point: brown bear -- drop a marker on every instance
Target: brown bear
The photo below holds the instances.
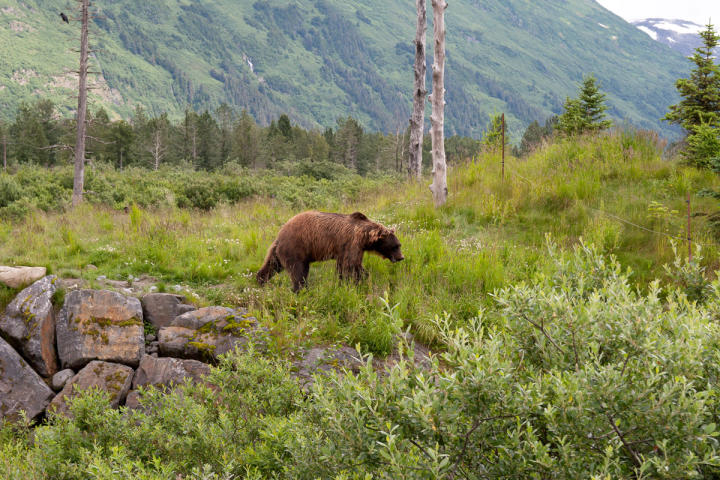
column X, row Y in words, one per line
column 316, row 236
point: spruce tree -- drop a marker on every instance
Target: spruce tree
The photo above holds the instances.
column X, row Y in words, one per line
column 571, row 121
column 592, row 105
column 585, row 113
column 493, row 134
column 701, row 92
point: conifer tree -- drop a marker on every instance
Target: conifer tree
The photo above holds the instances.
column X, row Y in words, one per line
column 246, row 140
column 592, row 105
column 585, row 113
column 494, row 133
column 701, row 92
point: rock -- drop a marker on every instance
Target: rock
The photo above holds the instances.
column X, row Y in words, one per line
column 60, row 379
column 16, row 277
column 325, row 359
column 20, row 387
column 160, row 309
column 421, row 355
column 184, row 308
column 114, row 378
column 90, row 266
column 100, row 325
column 166, row 372
column 29, row 325
column 150, row 338
column 68, row 284
column 133, row 400
column 101, row 278
column 206, row 333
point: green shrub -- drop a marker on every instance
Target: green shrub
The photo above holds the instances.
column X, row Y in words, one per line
column 9, row 190
column 580, row 377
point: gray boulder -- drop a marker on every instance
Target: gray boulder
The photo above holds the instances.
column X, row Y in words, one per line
column 20, row 387
column 60, row 379
column 322, row 360
column 100, row 325
column 164, row 373
column 29, row 325
column 206, row 333
column 113, row 378
column 160, row 309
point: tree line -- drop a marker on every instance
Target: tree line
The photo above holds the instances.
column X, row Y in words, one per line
column 208, row 140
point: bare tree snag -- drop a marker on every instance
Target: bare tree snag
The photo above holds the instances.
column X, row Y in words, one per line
column 417, row 120
column 79, row 178
column 157, row 147
column 437, row 118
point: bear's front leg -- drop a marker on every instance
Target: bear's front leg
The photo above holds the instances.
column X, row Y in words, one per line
column 298, row 274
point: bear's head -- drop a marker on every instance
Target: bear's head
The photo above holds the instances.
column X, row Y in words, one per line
column 384, row 242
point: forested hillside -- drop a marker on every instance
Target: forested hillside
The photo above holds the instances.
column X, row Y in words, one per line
column 319, row 60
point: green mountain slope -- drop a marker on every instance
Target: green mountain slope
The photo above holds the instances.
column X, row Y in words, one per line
column 318, row 59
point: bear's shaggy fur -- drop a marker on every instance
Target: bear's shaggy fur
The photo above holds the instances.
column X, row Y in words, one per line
column 316, row 236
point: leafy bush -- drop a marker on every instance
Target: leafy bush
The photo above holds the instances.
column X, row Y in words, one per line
column 579, row 376
column 9, row 191
column 50, row 189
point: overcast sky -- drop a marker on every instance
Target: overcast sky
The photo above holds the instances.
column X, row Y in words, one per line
column 699, row 11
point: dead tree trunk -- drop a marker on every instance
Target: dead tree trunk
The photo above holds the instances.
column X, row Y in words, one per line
column 4, row 152
column 437, row 119
column 157, row 147
column 79, row 179
column 417, row 120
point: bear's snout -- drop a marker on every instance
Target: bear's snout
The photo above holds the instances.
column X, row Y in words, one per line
column 398, row 258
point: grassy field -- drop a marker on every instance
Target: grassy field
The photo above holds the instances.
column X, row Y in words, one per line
column 491, row 233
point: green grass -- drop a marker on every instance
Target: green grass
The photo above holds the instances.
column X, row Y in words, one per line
column 491, row 233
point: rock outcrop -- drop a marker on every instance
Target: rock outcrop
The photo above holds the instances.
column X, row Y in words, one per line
column 100, row 334
column 29, row 325
column 100, row 325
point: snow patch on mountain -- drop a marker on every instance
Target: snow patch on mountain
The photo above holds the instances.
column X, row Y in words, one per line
column 653, row 34
column 680, row 35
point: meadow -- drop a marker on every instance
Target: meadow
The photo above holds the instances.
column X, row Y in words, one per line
column 537, row 290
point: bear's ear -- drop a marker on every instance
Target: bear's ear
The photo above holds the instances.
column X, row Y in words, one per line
column 358, row 216
column 392, row 230
column 376, row 233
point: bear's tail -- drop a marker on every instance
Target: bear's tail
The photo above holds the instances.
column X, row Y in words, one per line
column 270, row 267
